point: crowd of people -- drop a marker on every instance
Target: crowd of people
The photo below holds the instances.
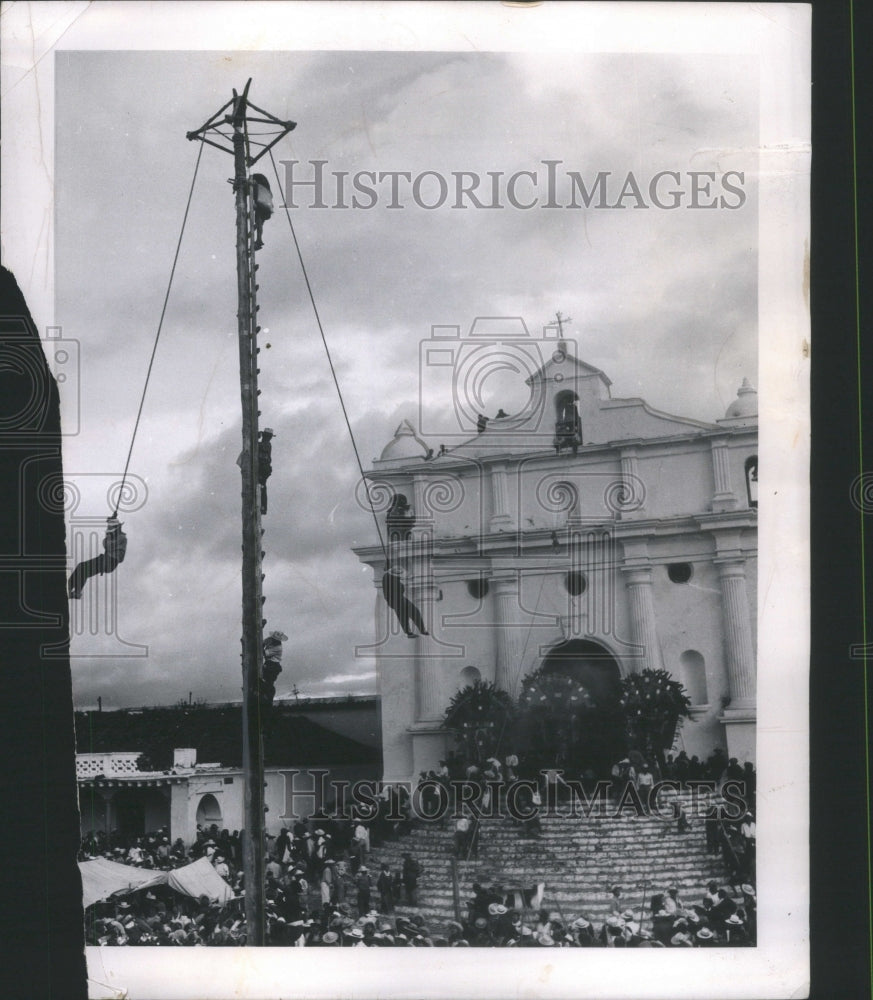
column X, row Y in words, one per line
column 320, row 889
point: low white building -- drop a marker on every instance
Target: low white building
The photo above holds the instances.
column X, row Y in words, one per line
column 591, row 534
column 115, row 795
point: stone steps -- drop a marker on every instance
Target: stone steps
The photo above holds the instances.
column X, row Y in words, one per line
column 577, row 858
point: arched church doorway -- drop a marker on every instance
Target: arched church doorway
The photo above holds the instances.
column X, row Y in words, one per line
column 595, row 738
column 208, row 811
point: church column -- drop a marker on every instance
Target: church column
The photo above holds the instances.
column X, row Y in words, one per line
column 644, row 632
column 429, row 706
column 510, row 637
column 723, row 498
column 423, row 592
column 738, row 645
column 500, row 511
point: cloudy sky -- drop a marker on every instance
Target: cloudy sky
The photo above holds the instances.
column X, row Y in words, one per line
column 664, row 301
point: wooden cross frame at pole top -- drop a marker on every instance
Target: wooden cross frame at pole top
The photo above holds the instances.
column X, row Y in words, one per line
column 230, row 133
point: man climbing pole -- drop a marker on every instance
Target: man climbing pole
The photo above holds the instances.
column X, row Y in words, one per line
column 272, row 665
column 395, row 596
column 114, row 549
column 265, row 463
column 263, row 199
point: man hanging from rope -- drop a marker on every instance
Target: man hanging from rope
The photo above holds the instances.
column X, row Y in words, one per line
column 114, row 549
column 395, row 596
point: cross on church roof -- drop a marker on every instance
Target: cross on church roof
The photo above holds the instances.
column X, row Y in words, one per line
column 561, row 320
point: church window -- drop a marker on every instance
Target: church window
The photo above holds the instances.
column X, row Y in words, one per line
column 693, row 674
column 679, row 572
column 752, row 480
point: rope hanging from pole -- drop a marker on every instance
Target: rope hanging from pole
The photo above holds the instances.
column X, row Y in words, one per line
column 158, row 334
column 329, row 358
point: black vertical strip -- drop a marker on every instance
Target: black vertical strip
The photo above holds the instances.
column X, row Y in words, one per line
column 839, row 791
column 41, row 918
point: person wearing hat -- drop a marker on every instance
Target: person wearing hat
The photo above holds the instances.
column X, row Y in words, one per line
column 265, row 463
column 272, row 665
column 411, row 871
column 363, row 885
column 326, row 884
column 704, row 938
column 616, row 904
column 385, row 885
column 735, row 930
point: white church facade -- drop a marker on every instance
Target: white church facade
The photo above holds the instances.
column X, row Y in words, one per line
column 586, row 532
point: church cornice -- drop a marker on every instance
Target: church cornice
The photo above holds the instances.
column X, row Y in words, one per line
column 544, row 453
column 479, row 550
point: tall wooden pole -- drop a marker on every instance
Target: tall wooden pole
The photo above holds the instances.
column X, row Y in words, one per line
column 214, row 133
column 252, row 610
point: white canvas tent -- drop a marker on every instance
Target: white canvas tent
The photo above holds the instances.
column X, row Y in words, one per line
column 102, row 878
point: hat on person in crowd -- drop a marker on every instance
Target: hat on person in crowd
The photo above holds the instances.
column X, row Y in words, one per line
column 580, row 922
column 480, row 923
column 330, row 861
column 705, row 934
column 496, row 909
column 747, row 890
column 329, row 937
column 454, row 925
column 460, row 943
column 386, row 928
column 681, row 940
column 734, row 920
column 363, row 868
column 627, row 914
column 613, row 921
column 124, row 906
column 278, row 636
column 319, row 832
